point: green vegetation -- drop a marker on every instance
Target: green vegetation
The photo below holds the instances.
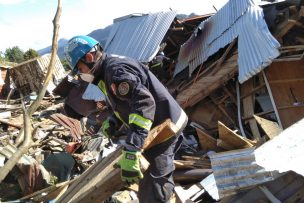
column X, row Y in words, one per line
column 30, row 54
column 65, row 64
column 16, row 55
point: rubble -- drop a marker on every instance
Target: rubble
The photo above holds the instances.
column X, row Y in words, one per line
column 239, row 80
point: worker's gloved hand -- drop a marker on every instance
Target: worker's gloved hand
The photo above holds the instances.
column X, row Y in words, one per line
column 108, row 127
column 130, row 166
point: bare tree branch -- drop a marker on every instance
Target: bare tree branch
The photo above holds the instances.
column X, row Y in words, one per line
column 49, row 75
column 27, row 141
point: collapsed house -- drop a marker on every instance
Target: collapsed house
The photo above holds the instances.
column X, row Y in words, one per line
column 28, row 77
column 238, row 75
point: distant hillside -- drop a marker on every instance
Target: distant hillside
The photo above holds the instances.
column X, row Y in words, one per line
column 100, row 35
column 61, row 43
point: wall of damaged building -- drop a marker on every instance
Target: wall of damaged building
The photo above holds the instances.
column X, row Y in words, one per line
column 255, row 100
column 218, row 106
column 29, row 76
column 286, row 80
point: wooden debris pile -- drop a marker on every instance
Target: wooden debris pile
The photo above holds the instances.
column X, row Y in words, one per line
column 229, row 123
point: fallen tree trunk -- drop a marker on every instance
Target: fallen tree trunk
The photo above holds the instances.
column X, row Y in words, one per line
column 102, row 179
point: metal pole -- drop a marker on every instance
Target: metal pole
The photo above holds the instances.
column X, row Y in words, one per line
column 272, row 100
column 239, row 108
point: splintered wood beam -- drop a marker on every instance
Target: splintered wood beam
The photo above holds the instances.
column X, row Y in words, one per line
column 233, row 139
column 271, row 128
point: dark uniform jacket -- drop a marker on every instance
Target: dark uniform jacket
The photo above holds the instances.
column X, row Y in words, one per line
column 137, row 97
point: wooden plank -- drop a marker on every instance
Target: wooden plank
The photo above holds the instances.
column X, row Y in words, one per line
column 102, row 179
column 52, row 192
column 207, row 142
column 233, row 139
column 286, row 26
column 271, row 128
column 224, row 145
column 248, row 107
column 162, row 132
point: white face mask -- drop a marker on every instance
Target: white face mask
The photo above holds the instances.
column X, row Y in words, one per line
column 88, row 77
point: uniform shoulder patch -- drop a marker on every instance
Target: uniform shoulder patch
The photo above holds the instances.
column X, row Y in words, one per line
column 123, row 88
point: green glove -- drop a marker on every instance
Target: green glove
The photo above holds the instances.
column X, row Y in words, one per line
column 108, row 128
column 130, row 166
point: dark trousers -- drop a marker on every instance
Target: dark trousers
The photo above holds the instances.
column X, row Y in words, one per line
column 157, row 184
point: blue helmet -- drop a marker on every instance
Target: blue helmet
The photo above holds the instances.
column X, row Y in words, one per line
column 77, row 47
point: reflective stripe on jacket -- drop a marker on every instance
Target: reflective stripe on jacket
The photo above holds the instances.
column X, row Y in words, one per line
column 138, row 98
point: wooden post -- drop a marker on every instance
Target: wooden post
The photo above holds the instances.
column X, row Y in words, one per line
column 248, row 107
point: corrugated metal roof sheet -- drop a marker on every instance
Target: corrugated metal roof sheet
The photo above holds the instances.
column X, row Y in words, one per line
column 236, row 170
column 209, row 185
column 285, row 151
column 139, row 36
column 58, row 72
column 238, row 18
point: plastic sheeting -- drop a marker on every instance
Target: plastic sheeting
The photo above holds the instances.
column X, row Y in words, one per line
column 93, row 92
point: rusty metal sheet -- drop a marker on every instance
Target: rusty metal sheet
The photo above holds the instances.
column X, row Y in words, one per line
column 72, row 124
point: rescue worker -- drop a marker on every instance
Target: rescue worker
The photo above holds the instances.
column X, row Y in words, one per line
column 158, row 64
column 140, row 102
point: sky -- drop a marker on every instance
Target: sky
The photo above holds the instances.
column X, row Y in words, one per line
column 28, row 23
